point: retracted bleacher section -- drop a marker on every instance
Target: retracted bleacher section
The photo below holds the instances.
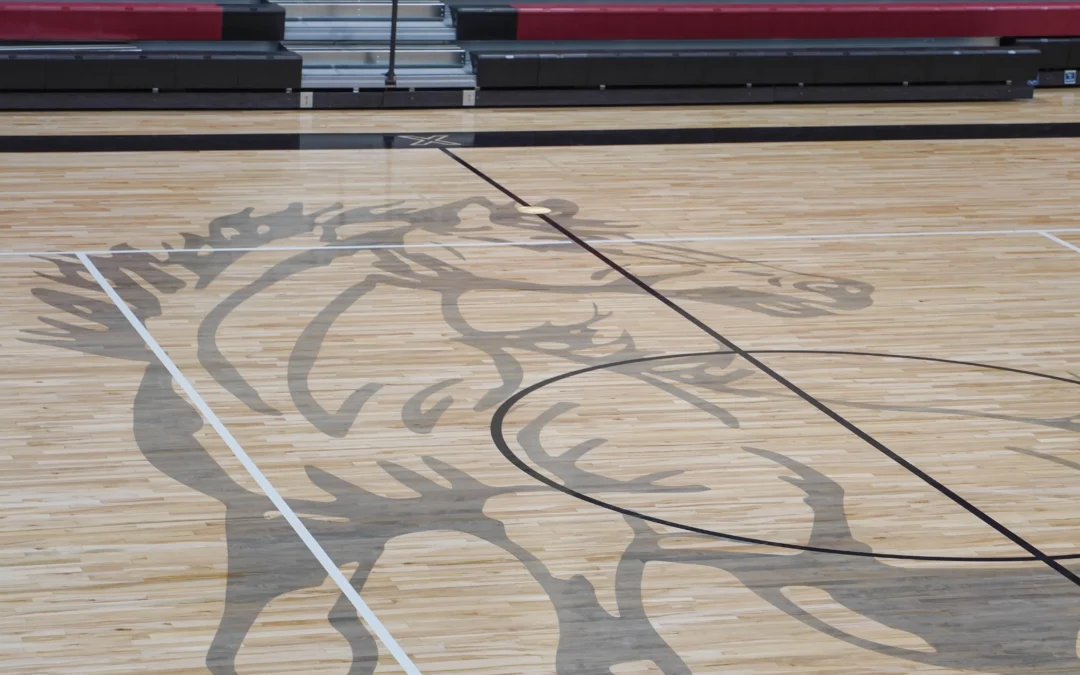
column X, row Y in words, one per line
column 150, row 66
column 728, row 68
column 255, row 53
column 1059, row 58
column 166, row 48
column 638, row 52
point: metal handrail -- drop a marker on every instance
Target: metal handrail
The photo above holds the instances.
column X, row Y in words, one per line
column 391, row 76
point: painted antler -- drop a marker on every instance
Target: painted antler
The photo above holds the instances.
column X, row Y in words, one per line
column 565, row 466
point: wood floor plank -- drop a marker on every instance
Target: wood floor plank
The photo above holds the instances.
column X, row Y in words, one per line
column 109, row 564
column 1073, row 239
column 1047, row 106
column 387, row 393
column 989, row 300
column 754, row 190
column 150, row 200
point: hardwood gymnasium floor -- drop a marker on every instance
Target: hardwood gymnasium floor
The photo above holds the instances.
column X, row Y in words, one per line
column 755, row 408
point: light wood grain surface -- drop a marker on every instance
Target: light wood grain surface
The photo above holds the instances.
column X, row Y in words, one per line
column 1047, row 106
column 357, row 320
column 752, row 190
column 109, row 565
column 758, row 190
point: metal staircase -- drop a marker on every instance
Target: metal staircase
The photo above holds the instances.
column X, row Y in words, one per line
column 345, row 44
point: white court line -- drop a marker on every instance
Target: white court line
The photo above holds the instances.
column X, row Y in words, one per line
column 1059, row 240
column 282, row 506
column 554, row 242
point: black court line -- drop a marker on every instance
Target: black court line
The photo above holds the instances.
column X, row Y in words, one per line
column 789, row 385
column 532, row 139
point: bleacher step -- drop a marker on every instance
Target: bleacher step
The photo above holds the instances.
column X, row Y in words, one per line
column 350, row 30
column 377, row 56
column 345, row 9
column 374, row 78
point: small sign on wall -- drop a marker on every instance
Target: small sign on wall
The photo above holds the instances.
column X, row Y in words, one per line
column 1070, row 77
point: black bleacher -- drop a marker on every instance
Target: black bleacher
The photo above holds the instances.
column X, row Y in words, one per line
column 149, row 66
column 715, row 68
column 1055, row 53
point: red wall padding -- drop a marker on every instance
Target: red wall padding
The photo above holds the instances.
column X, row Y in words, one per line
column 688, row 22
column 109, row 21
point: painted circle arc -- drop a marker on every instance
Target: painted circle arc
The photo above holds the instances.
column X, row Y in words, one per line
column 498, row 436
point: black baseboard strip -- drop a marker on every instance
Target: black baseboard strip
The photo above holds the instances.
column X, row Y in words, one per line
column 456, row 98
column 532, row 139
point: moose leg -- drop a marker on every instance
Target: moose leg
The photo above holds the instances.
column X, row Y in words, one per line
column 257, row 575
column 241, row 610
column 343, row 617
